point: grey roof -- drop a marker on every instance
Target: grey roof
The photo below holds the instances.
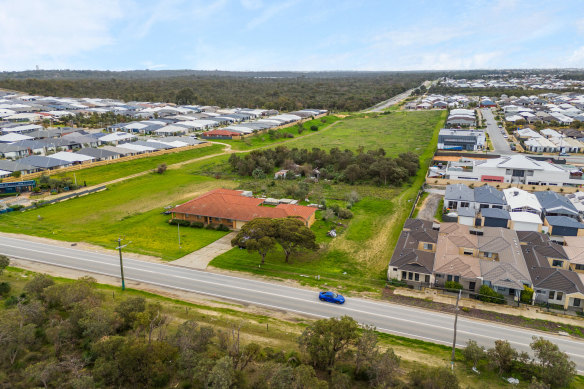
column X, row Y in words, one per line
column 495, row 213
column 488, row 195
column 15, row 166
column 557, row 279
column 97, row 153
column 44, row 162
column 503, row 274
column 554, row 202
column 563, row 221
column 154, row 145
column 459, row 192
column 406, row 255
column 466, row 211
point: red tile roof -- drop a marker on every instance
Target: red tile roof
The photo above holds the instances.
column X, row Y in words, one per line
column 220, row 133
column 230, row 204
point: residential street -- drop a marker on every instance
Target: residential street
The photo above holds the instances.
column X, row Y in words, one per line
column 500, row 144
column 396, row 319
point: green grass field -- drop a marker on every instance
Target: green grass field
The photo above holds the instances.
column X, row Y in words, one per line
column 100, row 174
column 396, row 132
column 131, row 209
column 262, row 140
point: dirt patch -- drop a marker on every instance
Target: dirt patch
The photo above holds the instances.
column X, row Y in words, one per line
column 429, row 207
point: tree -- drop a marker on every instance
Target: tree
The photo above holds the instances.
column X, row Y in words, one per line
column 366, row 350
column 257, row 235
column 552, row 366
column 433, row 378
column 185, row 96
column 384, row 369
column 37, row 285
column 44, row 372
column 150, row 319
column 473, row 353
column 326, row 338
column 99, row 322
column 526, row 295
column 490, row 296
column 293, row 235
column 4, row 263
column 222, row 375
column 128, row 309
column 502, row 356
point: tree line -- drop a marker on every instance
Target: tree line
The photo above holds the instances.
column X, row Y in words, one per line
column 343, row 92
column 336, row 165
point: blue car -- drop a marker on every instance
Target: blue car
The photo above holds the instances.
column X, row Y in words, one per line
column 331, row 297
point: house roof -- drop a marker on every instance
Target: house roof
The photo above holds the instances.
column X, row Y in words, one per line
column 495, row 213
column 557, row 279
column 525, row 217
column 97, row 153
column 43, row 162
column 466, row 212
column 554, row 202
column 231, row 204
column 519, row 198
column 489, row 195
column 563, row 221
column 459, row 192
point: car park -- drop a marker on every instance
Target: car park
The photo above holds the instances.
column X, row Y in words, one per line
column 331, row 297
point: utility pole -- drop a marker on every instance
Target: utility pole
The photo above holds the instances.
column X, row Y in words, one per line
column 455, row 323
column 120, row 247
column 178, row 229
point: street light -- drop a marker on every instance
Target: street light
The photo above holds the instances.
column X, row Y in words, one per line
column 455, row 323
column 119, row 248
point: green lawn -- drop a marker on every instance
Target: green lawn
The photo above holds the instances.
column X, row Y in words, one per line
column 99, row 174
column 396, row 132
column 131, row 209
column 260, row 140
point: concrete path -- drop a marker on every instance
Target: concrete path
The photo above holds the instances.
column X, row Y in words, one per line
column 200, row 259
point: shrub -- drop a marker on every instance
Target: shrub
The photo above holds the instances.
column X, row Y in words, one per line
column 222, row 227
column 313, row 128
column 328, row 214
column 433, row 377
column 488, row 295
column 161, row 168
column 16, row 207
column 4, row 288
column 343, row 213
column 182, row 223
column 453, row 285
column 209, row 227
column 197, row 224
column 526, row 295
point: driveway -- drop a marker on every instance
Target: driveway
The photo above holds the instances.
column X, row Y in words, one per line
column 200, row 259
column 429, row 207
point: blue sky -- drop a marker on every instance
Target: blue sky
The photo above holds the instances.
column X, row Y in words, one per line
column 290, row 34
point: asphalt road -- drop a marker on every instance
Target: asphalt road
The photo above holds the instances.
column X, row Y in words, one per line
column 500, row 144
column 396, row 319
column 395, row 99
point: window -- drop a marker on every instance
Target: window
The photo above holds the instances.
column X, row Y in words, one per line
column 464, row 204
column 438, row 275
column 467, row 252
column 410, row 276
column 472, row 285
column 559, row 296
column 579, row 267
column 552, row 295
column 484, row 206
column 416, row 277
column 427, row 279
column 456, row 278
column 395, row 269
column 487, row 254
column 452, row 204
column 498, row 206
column 404, row 275
column 428, row 246
column 557, row 263
column 449, row 278
column 576, row 302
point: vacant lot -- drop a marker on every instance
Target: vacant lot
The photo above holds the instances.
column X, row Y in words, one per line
column 278, row 136
column 357, row 259
column 105, row 173
column 131, row 209
column 396, row 132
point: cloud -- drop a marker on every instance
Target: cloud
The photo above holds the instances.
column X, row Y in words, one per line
column 577, row 57
column 251, row 4
column 268, row 13
column 47, row 34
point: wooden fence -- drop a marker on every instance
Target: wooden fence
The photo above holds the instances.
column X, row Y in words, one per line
column 31, row 176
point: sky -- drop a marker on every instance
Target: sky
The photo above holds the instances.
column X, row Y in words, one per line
column 303, row 35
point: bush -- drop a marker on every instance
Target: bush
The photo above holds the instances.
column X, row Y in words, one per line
column 161, row 168
column 343, row 213
column 17, row 207
column 329, row 214
column 313, row 128
column 197, row 224
column 209, row 227
column 526, row 295
column 4, row 288
column 222, row 227
column 453, row 285
column 488, row 295
column 433, row 377
column 182, row 223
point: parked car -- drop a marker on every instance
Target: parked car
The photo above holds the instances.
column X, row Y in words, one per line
column 331, row 297
column 564, row 155
column 505, row 136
